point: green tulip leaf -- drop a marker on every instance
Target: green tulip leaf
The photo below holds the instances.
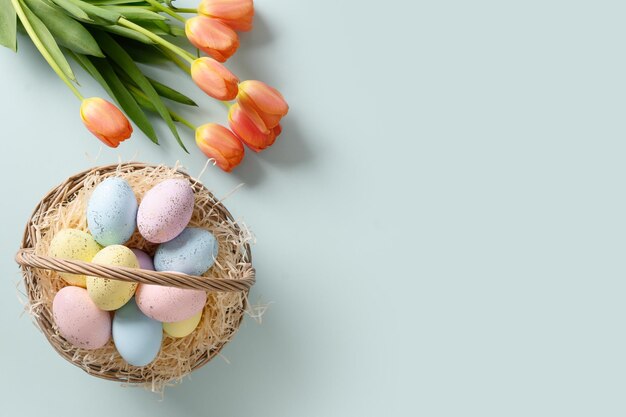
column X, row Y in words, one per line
column 135, row 13
column 89, row 12
column 72, row 9
column 169, row 93
column 48, row 42
column 67, row 31
column 118, row 55
column 88, row 66
column 141, row 98
column 8, row 25
column 98, row 12
column 114, row 2
column 126, row 33
column 146, row 54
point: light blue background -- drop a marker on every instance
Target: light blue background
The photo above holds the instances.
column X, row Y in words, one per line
column 440, row 227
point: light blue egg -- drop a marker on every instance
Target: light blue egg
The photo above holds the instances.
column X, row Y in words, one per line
column 192, row 252
column 137, row 337
column 112, row 212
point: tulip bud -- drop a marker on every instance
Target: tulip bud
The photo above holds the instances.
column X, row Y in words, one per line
column 266, row 101
column 105, row 121
column 249, row 127
column 219, row 143
column 212, row 37
column 237, row 14
column 214, row 78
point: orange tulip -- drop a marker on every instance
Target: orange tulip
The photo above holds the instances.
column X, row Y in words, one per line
column 105, row 121
column 237, row 14
column 212, row 37
column 249, row 127
column 266, row 101
column 219, row 143
column 214, row 78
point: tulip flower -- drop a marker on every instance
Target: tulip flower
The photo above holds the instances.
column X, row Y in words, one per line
column 219, row 143
column 105, row 121
column 249, row 127
column 214, row 78
column 237, row 14
column 266, row 101
column 212, row 37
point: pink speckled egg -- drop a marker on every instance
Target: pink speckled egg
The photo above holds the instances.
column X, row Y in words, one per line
column 168, row 304
column 79, row 320
column 145, row 261
column 165, row 210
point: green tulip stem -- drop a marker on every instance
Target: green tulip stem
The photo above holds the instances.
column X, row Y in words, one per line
column 185, row 10
column 178, row 118
column 164, row 9
column 42, row 49
column 176, row 60
column 157, row 39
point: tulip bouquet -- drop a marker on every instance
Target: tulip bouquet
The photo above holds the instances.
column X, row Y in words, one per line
column 108, row 38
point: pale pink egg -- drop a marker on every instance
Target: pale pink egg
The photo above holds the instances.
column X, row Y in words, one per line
column 165, row 210
column 168, row 304
column 145, row 261
column 79, row 320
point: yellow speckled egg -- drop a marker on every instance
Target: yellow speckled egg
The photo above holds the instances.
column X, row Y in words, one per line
column 182, row 328
column 111, row 294
column 74, row 244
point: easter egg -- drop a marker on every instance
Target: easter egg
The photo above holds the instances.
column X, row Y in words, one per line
column 165, row 210
column 137, row 337
column 182, row 328
column 111, row 294
column 79, row 320
column 73, row 244
column 112, row 212
column 145, row 261
column 192, row 252
column 169, row 304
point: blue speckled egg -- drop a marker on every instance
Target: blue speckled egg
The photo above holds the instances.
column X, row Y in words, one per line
column 137, row 337
column 112, row 212
column 192, row 252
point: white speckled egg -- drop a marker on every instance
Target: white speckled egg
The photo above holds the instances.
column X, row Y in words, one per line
column 145, row 261
column 73, row 244
column 112, row 212
column 79, row 320
column 169, row 304
column 165, row 210
column 111, row 294
column 137, row 337
column 192, row 252
column 182, row 328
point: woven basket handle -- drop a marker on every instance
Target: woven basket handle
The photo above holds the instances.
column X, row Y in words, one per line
column 28, row 258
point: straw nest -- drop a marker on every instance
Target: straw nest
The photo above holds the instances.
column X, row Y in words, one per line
column 227, row 282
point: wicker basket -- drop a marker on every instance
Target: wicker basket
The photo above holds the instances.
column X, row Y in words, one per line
column 37, row 267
